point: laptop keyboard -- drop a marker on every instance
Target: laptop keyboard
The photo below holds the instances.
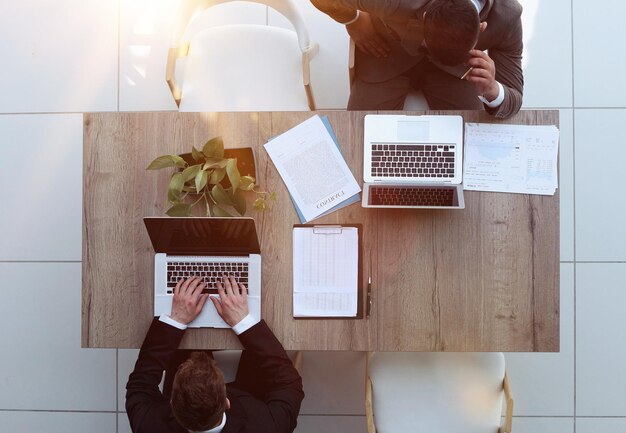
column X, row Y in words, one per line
column 413, row 160
column 211, row 273
column 411, row 196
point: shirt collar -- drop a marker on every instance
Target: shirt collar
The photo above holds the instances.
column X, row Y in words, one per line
column 219, row 428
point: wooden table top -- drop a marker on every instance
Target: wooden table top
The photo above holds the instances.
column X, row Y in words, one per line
column 485, row 278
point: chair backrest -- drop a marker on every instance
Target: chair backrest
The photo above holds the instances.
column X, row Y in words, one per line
column 189, row 8
column 242, row 67
column 436, row 392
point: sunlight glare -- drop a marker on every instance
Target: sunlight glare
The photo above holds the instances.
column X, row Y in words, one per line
column 141, row 70
column 140, row 50
column 529, row 16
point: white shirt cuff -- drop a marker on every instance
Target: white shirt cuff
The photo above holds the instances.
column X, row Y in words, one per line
column 167, row 319
column 496, row 102
column 356, row 17
column 246, row 323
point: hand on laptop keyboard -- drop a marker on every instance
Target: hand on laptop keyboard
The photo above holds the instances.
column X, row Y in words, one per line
column 232, row 305
column 188, row 300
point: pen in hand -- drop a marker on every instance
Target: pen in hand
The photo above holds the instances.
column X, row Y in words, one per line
column 467, row 72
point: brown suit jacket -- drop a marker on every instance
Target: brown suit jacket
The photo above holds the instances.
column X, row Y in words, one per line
column 401, row 23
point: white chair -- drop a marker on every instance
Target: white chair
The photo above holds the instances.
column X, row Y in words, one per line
column 241, row 67
column 415, row 100
column 436, row 392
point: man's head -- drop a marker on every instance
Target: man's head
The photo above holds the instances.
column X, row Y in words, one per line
column 451, row 29
column 199, row 393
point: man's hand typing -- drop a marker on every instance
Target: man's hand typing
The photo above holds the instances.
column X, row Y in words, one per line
column 232, row 305
column 188, row 300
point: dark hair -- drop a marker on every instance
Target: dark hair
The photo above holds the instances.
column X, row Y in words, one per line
column 451, row 29
column 198, row 393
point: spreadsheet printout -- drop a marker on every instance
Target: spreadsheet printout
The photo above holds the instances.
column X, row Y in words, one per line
column 511, row 158
column 325, row 271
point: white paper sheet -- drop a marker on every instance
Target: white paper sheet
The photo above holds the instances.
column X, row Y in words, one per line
column 312, row 168
column 325, row 271
column 511, row 158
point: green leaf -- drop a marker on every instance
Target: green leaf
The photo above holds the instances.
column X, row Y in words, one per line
column 201, row 179
column 221, row 196
column 247, row 183
column 175, row 187
column 215, row 163
column 196, row 154
column 167, row 161
column 214, row 148
column 219, row 212
column 233, row 173
column 240, row 202
column 259, row 204
column 273, row 196
column 179, row 210
column 191, row 172
column 217, row 176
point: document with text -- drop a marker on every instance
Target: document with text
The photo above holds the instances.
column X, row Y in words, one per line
column 325, row 271
column 511, row 158
column 312, row 168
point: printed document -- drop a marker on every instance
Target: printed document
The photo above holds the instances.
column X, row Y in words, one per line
column 312, row 168
column 354, row 199
column 325, row 271
column 511, row 158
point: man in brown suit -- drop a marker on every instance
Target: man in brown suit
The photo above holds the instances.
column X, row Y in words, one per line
column 462, row 54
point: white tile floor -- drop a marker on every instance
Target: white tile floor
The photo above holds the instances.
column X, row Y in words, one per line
column 66, row 57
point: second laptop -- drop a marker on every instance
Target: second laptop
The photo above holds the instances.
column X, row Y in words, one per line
column 413, row 162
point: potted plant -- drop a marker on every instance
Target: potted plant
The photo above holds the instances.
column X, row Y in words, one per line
column 211, row 178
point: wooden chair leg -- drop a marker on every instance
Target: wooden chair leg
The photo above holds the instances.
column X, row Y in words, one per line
column 297, row 361
column 509, row 405
column 369, row 411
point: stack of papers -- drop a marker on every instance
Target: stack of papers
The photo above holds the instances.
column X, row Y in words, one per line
column 511, row 158
column 311, row 165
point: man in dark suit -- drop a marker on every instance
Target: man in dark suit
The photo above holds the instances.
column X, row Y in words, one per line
column 429, row 45
column 265, row 396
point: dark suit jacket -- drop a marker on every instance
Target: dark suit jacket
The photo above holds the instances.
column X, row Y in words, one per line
column 274, row 409
column 401, row 23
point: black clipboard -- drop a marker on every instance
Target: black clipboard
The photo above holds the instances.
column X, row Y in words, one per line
column 361, row 283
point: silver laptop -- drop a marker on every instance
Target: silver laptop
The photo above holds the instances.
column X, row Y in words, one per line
column 413, row 162
column 208, row 248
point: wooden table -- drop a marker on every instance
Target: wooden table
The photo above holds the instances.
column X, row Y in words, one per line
column 482, row 279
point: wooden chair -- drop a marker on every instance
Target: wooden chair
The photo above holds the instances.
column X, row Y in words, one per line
column 241, row 67
column 437, row 393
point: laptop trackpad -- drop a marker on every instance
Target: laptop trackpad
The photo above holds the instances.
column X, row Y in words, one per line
column 413, row 130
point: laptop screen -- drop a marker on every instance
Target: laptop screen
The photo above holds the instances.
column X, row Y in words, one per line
column 203, row 236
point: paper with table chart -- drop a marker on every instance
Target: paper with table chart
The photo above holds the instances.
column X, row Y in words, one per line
column 325, row 271
column 511, row 158
column 312, row 168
